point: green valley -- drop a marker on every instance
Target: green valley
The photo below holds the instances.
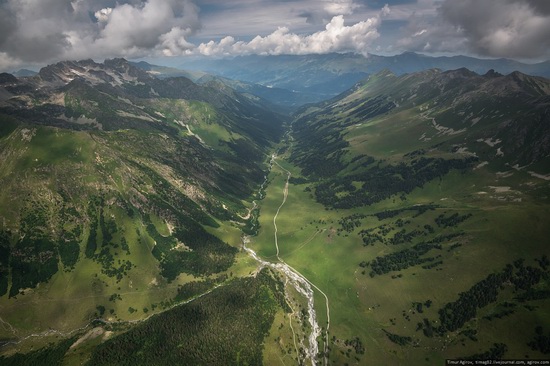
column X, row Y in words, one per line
column 422, row 217
column 123, row 200
column 158, row 221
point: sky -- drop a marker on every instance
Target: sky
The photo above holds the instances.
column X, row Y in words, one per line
column 39, row 32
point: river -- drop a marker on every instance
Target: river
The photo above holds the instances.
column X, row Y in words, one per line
column 300, row 283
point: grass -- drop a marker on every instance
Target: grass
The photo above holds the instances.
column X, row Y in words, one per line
column 506, row 224
column 362, row 306
column 69, row 300
column 81, row 166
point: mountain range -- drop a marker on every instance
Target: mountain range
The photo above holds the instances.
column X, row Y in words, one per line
column 318, row 77
column 150, row 215
column 435, row 187
column 103, row 168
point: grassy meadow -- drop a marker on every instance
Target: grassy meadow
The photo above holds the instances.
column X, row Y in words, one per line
column 501, row 229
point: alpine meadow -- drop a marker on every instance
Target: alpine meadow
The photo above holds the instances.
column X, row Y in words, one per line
column 276, row 197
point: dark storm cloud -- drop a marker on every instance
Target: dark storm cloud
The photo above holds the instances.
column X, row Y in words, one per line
column 45, row 30
column 541, row 6
column 31, row 31
column 7, row 24
column 495, row 28
column 511, row 28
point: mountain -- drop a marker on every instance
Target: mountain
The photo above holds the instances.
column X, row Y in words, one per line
column 316, row 75
column 425, row 195
column 24, row 73
column 324, row 76
column 452, row 109
column 163, row 72
column 122, row 195
column 162, row 220
column 281, row 99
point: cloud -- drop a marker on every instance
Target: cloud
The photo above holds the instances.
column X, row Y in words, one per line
column 495, row 28
column 39, row 31
column 336, row 37
column 102, row 15
column 174, row 42
column 128, row 27
column 510, row 28
column 322, row 13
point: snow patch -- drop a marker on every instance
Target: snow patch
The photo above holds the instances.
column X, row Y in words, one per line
column 481, row 165
column 464, row 151
column 424, row 138
column 500, row 189
column 131, row 115
column 475, row 120
column 518, row 167
column 446, row 130
column 490, row 141
column 82, row 120
column 195, row 135
column 505, row 174
column 541, row 176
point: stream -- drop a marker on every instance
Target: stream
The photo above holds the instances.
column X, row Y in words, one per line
column 300, row 283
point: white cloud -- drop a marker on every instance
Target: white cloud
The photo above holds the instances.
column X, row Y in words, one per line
column 321, row 11
column 151, row 26
column 40, row 31
column 174, row 42
column 336, row 37
column 341, row 7
column 7, row 62
column 102, row 15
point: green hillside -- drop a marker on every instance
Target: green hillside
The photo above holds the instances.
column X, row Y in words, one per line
column 119, row 191
column 419, row 205
column 404, row 222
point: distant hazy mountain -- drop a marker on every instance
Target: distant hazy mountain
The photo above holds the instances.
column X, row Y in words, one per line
column 24, row 73
column 328, row 75
column 280, row 98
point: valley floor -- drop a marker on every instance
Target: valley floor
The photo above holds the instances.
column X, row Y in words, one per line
column 455, row 269
column 391, row 315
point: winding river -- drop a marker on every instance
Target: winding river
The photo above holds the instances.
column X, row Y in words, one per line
column 300, row 283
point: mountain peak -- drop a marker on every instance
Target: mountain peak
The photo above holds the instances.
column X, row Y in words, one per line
column 114, row 71
column 492, row 74
column 24, row 73
column 6, row 78
column 116, row 62
column 461, row 72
